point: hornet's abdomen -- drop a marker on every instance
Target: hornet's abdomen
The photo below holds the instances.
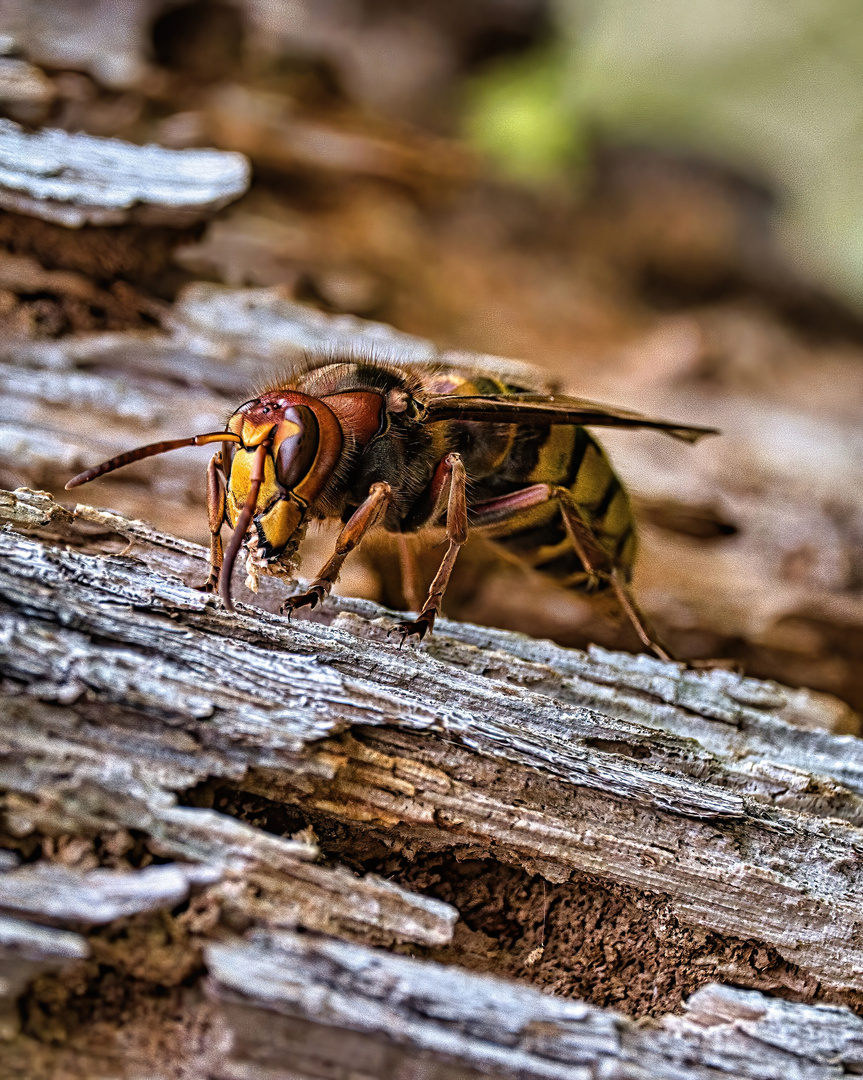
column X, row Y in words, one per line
column 503, row 458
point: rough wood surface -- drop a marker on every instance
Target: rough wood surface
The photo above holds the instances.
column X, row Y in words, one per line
column 727, row 801
column 78, row 179
column 236, row 849
column 282, row 1006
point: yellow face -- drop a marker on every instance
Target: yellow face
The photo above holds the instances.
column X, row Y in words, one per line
column 278, row 512
column 277, row 516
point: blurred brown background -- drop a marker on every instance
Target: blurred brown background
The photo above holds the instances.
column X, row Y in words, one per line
column 655, row 202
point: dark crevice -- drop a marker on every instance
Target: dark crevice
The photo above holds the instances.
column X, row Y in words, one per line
column 613, row 946
column 617, row 746
column 141, row 974
column 121, row 258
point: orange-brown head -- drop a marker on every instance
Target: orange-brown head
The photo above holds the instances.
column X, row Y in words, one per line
column 279, row 452
column 288, row 447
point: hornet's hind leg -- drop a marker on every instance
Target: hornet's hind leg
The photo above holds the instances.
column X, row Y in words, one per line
column 596, row 561
column 452, row 473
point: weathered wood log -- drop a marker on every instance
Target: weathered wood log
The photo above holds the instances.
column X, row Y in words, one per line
column 77, row 213
column 485, row 1027
column 282, row 1006
column 235, row 848
column 77, row 179
column 143, row 722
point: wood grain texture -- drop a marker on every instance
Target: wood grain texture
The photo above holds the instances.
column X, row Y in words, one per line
column 424, row 1011
column 128, row 695
column 283, row 1006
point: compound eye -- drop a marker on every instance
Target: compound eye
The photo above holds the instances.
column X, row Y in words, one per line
column 296, row 451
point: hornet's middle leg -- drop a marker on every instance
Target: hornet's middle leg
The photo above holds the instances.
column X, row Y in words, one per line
column 456, row 534
column 412, row 587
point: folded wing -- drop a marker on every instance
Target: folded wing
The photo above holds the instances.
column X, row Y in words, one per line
column 542, row 409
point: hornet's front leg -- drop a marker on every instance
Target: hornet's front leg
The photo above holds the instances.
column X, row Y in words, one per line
column 216, row 516
column 453, row 473
column 365, row 517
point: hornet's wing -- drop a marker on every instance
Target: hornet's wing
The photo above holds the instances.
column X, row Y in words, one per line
column 547, row 409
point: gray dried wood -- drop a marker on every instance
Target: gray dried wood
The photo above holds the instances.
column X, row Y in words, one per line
column 77, row 179
column 739, row 830
column 127, row 690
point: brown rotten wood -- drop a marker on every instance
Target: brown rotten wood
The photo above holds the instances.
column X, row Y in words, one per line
column 88, row 225
column 284, row 1006
column 184, row 791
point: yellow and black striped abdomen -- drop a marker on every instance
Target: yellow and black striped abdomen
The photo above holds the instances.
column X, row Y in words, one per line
column 500, row 459
column 565, row 456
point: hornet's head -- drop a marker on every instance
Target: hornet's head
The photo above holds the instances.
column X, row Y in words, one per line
column 279, row 452
column 286, row 449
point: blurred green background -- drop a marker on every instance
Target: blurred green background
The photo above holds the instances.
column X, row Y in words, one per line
column 772, row 89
